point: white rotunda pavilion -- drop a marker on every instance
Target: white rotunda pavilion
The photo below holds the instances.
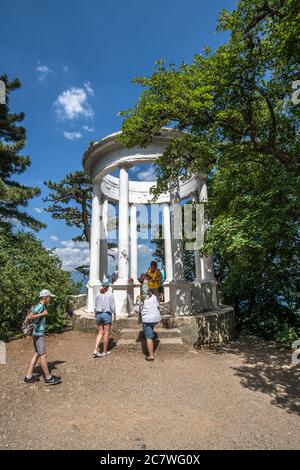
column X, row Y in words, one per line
column 99, row 161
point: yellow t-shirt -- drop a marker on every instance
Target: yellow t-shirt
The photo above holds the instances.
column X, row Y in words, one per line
column 154, row 276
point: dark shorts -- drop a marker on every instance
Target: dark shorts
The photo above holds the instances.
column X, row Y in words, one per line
column 39, row 345
column 104, row 318
column 149, row 332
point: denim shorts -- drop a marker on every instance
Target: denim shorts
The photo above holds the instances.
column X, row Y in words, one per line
column 104, row 318
column 149, row 332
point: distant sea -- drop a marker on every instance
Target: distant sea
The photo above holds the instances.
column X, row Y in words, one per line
column 77, row 277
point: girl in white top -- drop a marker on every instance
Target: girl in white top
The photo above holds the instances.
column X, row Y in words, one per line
column 150, row 316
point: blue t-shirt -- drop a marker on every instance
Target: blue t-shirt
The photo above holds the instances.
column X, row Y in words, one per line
column 40, row 322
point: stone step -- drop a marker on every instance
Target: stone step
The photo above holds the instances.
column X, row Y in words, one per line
column 128, row 322
column 163, row 344
column 132, row 322
column 133, row 333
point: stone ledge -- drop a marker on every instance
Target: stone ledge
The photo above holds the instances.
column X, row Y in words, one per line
column 78, row 301
column 216, row 326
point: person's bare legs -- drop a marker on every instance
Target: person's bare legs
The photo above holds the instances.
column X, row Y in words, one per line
column 44, row 366
column 99, row 338
column 32, row 365
column 150, row 347
column 106, row 337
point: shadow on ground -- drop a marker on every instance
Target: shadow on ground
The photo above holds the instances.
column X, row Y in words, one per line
column 51, row 366
column 111, row 345
column 266, row 368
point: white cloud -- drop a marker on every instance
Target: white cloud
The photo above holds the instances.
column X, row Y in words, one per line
column 73, row 104
column 39, row 210
column 54, row 238
column 88, row 86
column 88, row 129
column 144, row 250
column 72, row 135
column 66, row 68
column 42, row 71
column 73, row 254
column 147, row 175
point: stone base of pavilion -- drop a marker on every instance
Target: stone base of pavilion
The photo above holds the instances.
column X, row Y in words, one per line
column 200, row 329
column 190, row 298
column 194, row 309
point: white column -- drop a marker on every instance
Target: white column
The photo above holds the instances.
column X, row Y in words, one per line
column 123, row 227
column 122, row 292
column 197, row 266
column 168, row 250
column 134, row 255
column 206, row 262
column 176, row 225
column 103, row 244
column 94, row 281
column 167, row 241
column 133, row 243
column 180, row 289
column 196, row 252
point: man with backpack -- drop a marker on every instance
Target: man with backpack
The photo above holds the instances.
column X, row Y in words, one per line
column 37, row 316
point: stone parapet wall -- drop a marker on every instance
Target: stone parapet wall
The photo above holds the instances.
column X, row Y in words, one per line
column 204, row 296
column 216, row 326
column 78, row 301
column 196, row 330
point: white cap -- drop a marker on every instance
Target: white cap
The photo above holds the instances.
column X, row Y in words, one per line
column 46, row 293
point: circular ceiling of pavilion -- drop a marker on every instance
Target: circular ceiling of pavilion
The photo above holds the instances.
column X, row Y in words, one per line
column 108, row 154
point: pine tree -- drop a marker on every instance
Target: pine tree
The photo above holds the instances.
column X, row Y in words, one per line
column 70, row 200
column 13, row 195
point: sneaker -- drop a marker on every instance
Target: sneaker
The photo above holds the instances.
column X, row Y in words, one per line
column 34, row 378
column 53, row 380
column 97, row 354
column 106, row 353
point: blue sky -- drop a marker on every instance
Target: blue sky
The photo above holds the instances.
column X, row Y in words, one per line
column 75, row 61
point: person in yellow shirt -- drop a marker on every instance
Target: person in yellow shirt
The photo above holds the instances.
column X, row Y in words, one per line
column 153, row 276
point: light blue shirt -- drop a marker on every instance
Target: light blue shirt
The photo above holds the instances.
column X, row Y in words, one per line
column 40, row 322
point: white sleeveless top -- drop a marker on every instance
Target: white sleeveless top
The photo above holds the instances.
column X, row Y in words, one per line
column 150, row 310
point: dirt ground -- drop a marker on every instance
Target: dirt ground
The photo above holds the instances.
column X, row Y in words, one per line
column 244, row 395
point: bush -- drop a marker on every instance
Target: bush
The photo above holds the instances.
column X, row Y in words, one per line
column 26, row 268
column 278, row 323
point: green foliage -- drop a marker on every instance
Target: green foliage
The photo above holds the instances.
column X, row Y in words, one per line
column 70, row 200
column 13, row 194
column 254, row 206
column 241, row 128
column 26, row 268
